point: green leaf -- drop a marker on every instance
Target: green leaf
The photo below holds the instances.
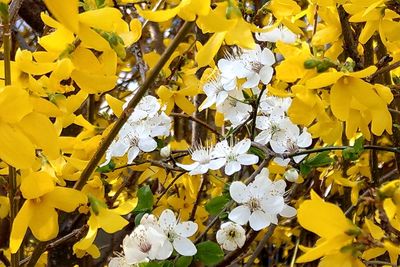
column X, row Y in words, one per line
column 145, row 200
column 107, row 168
column 183, row 261
column 258, row 152
column 95, row 204
column 319, row 160
column 100, row 3
column 354, row 152
column 216, row 204
column 209, row 253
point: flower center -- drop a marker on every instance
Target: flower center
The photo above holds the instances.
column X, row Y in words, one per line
column 254, row 204
column 256, row 66
column 232, row 234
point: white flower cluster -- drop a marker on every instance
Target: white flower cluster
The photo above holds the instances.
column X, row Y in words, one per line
column 277, row 130
column 221, row 155
column 259, row 202
column 138, row 133
column 156, row 239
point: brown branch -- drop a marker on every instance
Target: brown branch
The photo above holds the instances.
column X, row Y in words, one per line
column 349, row 41
column 261, row 245
column 384, row 70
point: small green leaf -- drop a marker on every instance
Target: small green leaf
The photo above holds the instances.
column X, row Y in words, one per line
column 100, row 3
column 319, row 160
column 95, row 204
column 311, row 63
column 107, row 168
column 258, row 152
column 216, row 204
column 209, row 253
column 183, row 261
column 145, row 200
column 354, row 152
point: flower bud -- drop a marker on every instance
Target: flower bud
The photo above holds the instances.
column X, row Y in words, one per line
column 165, row 152
column 291, row 175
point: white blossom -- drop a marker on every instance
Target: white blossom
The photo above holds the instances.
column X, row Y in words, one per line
column 282, row 34
column 203, row 161
column 259, row 202
column 138, row 133
column 256, row 66
column 217, row 90
column 177, row 234
column 234, row 156
column 231, row 236
column 233, row 108
column 144, row 244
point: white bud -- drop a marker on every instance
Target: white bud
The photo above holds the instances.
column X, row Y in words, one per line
column 291, row 175
column 165, row 152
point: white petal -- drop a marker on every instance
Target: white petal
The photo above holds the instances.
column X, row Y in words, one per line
column 216, row 164
column 232, row 167
column 288, row 211
column 221, row 97
column 252, row 80
column 238, row 192
column 184, row 246
column 305, row 139
column 242, row 147
column 266, row 74
column 281, row 162
column 132, row 154
column 263, row 138
column 259, row 220
column 299, row 158
column 201, row 169
column 247, row 159
column 186, row 229
column 165, row 251
column 273, row 204
column 188, row 167
column 229, row 245
column 208, row 102
column 167, row 220
column 240, row 215
column 147, row 144
column 267, row 57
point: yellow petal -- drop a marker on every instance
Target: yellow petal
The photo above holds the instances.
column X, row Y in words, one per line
column 24, row 61
column 87, row 241
column 94, row 83
column 393, row 250
column 45, row 107
column 323, row 80
column 159, row 15
column 104, row 18
column 92, row 39
column 185, row 104
column 14, row 104
column 44, row 222
column 66, row 12
column 363, row 73
column 66, row 199
column 44, row 137
column 340, row 101
column 329, row 221
column 323, row 248
column 206, row 54
column 110, row 221
column 126, row 207
column 373, row 253
column 36, row 184
column 374, row 229
column 115, row 104
column 15, row 148
column 20, row 225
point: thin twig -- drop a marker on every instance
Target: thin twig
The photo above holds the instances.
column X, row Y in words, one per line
column 384, row 70
column 190, row 117
column 261, row 245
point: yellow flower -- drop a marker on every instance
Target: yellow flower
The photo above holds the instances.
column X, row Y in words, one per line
column 39, row 210
column 357, row 102
column 327, row 221
column 4, row 207
column 171, row 97
column 234, row 31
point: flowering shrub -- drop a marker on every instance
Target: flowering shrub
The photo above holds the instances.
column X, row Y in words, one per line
column 199, row 132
